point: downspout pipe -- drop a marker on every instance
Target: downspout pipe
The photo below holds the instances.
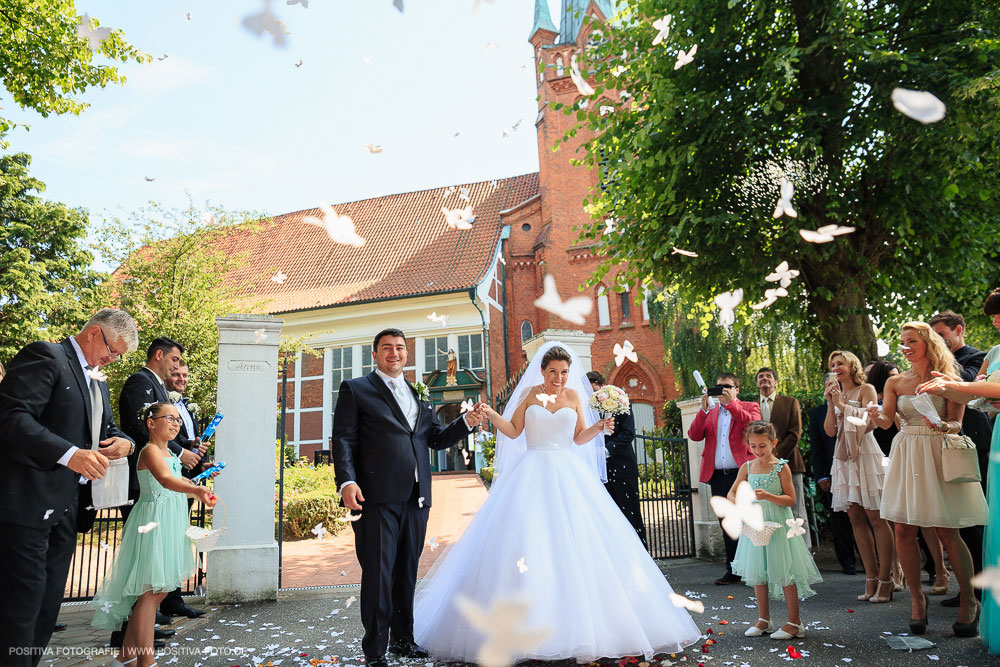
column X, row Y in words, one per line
column 486, row 346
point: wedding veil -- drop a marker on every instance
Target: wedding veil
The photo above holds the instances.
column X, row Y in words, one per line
column 510, row 450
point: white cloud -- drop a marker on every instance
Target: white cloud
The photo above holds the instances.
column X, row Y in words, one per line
column 164, row 75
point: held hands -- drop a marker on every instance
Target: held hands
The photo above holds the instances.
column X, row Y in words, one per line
column 114, row 448
column 477, row 414
column 89, row 463
column 352, row 497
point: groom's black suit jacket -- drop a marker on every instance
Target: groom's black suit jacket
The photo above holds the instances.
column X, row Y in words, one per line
column 374, row 446
column 44, row 410
column 140, row 388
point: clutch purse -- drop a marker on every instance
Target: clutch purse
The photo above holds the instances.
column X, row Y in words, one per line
column 959, row 459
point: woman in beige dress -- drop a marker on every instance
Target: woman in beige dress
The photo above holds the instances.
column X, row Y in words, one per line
column 914, row 493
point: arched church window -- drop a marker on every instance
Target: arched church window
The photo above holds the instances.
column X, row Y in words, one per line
column 526, row 330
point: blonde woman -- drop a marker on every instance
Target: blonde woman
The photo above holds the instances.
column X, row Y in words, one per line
column 915, row 493
column 856, row 474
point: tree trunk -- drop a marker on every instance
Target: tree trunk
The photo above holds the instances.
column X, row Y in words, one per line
column 843, row 324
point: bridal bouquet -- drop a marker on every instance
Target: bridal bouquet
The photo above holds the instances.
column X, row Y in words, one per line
column 610, row 400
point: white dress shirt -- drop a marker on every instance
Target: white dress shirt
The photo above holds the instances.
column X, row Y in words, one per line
column 724, row 459
column 185, row 417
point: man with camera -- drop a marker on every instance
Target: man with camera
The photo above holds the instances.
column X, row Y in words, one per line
column 721, row 427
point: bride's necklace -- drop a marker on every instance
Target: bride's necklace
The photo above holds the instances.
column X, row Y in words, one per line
column 918, row 377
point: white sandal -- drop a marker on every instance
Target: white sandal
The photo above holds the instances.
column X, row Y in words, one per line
column 781, row 634
column 754, row 631
column 118, row 663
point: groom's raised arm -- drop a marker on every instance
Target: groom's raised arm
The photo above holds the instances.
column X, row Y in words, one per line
column 345, row 436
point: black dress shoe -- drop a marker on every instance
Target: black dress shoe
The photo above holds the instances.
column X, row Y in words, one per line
column 59, row 627
column 162, row 619
column 849, row 570
column 377, row 662
column 163, row 634
column 183, row 610
column 159, row 643
column 408, row 649
column 726, row 579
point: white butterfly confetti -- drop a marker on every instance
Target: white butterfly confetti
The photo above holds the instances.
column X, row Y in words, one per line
column 825, row 234
column 374, row 149
column 545, row 399
column 319, row 530
column 502, row 626
column 48, row 513
column 695, row 606
column 349, row 518
column 279, row 278
column 304, row 3
column 208, row 218
column 784, row 205
column 989, row 578
column 625, row 351
column 351, row 600
column 574, row 309
column 609, row 226
column 433, row 543
column 340, row 228
column 618, row 71
column 105, row 546
column 299, row 64
column 686, row 253
column 440, row 319
column 581, row 84
column 918, row 105
column 685, row 58
column 795, row 527
column 420, row 501
column 727, row 302
column 96, row 374
column 259, row 335
column 145, row 528
column 521, row 567
column 770, row 296
column 106, row 607
column 266, row 21
column 744, row 510
column 663, row 28
column 490, row 46
column 187, row 15
column 861, row 421
column 459, row 218
column 886, row 461
column 605, row 109
column 94, row 36
column 467, row 405
column 782, row 275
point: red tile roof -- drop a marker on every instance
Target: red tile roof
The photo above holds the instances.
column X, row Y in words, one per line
column 409, row 249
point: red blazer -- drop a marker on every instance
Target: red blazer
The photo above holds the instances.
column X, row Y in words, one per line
column 704, row 428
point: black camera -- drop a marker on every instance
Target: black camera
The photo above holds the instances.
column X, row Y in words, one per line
column 716, row 390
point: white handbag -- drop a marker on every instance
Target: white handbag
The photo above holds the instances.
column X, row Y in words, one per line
column 112, row 489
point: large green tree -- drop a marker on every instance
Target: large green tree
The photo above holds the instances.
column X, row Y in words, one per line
column 800, row 88
column 45, row 274
column 45, row 65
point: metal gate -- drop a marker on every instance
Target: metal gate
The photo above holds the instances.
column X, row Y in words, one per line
column 665, row 495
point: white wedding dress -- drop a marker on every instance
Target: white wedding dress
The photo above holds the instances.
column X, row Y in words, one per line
column 585, row 573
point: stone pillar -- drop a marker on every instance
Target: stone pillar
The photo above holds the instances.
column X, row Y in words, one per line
column 707, row 532
column 244, row 565
column 578, row 341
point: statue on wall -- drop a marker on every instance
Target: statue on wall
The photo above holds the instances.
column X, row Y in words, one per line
column 452, row 378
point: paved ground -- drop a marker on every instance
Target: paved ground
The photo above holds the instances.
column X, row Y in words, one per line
column 319, row 624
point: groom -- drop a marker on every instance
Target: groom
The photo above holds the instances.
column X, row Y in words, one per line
column 381, row 434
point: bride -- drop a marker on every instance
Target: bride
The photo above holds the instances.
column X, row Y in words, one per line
column 550, row 535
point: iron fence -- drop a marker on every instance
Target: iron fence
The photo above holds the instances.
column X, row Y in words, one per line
column 665, row 495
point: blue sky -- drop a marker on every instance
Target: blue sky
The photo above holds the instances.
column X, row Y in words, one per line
column 228, row 117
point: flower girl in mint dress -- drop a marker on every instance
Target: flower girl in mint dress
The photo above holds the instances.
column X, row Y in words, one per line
column 783, row 565
column 155, row 555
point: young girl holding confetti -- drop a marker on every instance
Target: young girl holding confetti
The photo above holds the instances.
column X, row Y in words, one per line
column 155, row 554
column 784, row 563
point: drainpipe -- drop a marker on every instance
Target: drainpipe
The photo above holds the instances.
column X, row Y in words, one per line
column 503, row 302
column 486, row 346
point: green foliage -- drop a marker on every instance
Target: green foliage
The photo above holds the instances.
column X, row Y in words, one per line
column 45, row 273
column 45, row 66
column 487, row 443
column 310, row 498
column 487, row 473
column 808, row 83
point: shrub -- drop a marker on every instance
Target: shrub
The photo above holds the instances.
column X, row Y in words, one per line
column 305, row 510
column 487, row 475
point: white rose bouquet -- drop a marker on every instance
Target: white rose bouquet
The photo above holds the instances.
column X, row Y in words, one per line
column 610, row 400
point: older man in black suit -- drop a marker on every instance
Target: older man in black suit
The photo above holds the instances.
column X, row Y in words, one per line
column 56, row 432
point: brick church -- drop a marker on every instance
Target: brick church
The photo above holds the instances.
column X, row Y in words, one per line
column 479, row 284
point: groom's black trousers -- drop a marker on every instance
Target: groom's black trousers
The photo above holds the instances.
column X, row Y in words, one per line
column 388, row 539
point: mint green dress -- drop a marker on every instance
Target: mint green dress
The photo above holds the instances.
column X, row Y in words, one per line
column 989, row 618
column 784, row 560
column 158, row 560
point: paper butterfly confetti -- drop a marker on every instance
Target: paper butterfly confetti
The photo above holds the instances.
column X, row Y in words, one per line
column 605, row 109
column 351, row 600
column 609, row 226
column 459, row 218
column 208, row 218
column 581, row 84
column 784, row 206
column 918, row 105
column 618, row 71
column 623, row 352
column 861, row 421
column 694, row 606
column 467, row 405
column 685, row 58
column 374, row 149
column 433, row 543
column 420, row 501
column 299, row 64
column 148, row 527
column 502, row 626
column 726, row 302
column 259, row 335
column 106, row 607
column 48, row 513
column 96, row 374
column 574, row 309
column 824, row 234
column 279, row 278
column 663, row 28
column 744, row 510
column 105, row 546
column 545, row 399
column 340, row 228
column 686, row 253
column 349, row 518
column 490, row 46
column 782, row 275
column 440, row 319
column 187, row 15
column 304, row 3
column 94, row 36
column 989, row 578
column 770, row 296
column 795, row 527
column 319, row 530
column 266, row 21
column 521, row 567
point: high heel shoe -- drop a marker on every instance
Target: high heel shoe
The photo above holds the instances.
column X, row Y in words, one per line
column 867, row 595
column 878, row 598
column 918, row 626
column 118, row 663
column 968, row 629
column 899, row 585
column 754, row 631
column 942, row 589
column 781, row 634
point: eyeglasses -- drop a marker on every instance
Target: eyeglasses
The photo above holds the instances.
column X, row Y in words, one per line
column 114, row 355
column 170, row 419
column 728, row 386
